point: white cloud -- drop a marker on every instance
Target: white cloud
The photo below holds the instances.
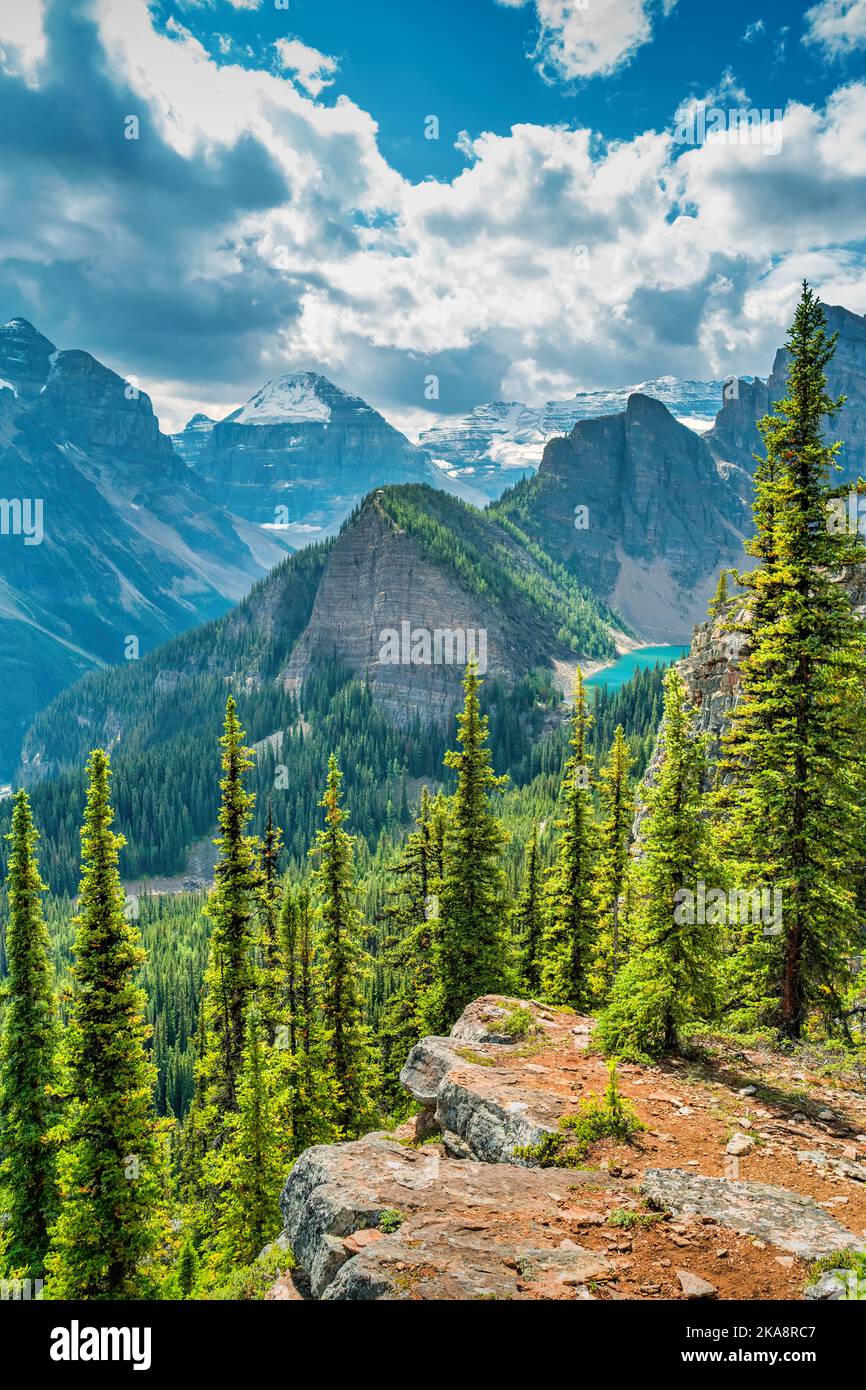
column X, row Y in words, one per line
column 22, row 37
column 838, row 27
column 753, row 31
column 553, row 262
column 312, row 69
column 588, row 38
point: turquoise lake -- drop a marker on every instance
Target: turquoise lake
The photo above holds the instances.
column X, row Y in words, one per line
column 612, row 677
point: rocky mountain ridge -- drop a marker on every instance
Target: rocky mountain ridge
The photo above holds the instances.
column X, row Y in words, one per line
column 637, row 508
column 455, row 1204
column 500, row 442
column 131, row 549
column 301, row 454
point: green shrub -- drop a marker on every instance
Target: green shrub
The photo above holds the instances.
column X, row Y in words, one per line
column 612, row 1117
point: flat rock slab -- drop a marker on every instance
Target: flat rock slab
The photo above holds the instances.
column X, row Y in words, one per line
column 430, row 1061
column 788, row 1220
column 468, row 1230
column 495, row 1111
column 494, row 1017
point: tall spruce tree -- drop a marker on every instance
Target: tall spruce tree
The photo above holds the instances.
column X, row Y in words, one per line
column 28, row 1060
column 342, row 963
column 250, row 1167
column 794, row 755
column 612, row 865
column 470, row 944
column 572, row 917
column 269, row 986
column 110, row 1164
column 307, row 1090
column 407, row 956
column 529, row 918
column 232, row 906
column 669, row 979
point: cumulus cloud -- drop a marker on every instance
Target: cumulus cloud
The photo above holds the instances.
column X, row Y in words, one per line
column 312, row 69
column 588, row 38
column 837, row 27
column 252, row 230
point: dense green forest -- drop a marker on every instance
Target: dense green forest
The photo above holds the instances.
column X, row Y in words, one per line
column 163, row 1065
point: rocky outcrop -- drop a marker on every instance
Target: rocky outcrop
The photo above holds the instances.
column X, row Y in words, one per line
column 464, row 1216
column 787, row 1220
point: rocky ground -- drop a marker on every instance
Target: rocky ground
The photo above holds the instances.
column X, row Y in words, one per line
column 750, row 1166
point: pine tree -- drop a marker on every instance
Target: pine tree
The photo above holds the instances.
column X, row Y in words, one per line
column 719, row 601
column 470, row 950
column 28, row 1059
column 249, row 1169
column 529, row 918
column 612, row 866
column 794, row 756
column 269, row 988
column 407, row 952
column 669, row 978
column 572, row 918
column 187, row 1268
column 307, row 1092
column 110, row 1167
column 230, row 974
column 342, row 963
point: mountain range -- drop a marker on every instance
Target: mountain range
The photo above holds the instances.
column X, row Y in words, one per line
column 301, row 453
column 497, row 444
column 616, row 538
column 131, row 548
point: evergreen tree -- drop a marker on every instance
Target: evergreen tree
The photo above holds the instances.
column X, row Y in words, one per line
column 669, row 978
column 269, row 989
column 470, row 949
column 529, row 918
column 110, row 1169
column 719, row 600
column 793, row 766
column 187, row 1268
column 342, row 963
column 612, row 867
column 27, row 1059
column 248, row 1171
column 572, row 918
column 407, row 958
column 230, row 975
column 307, row 1090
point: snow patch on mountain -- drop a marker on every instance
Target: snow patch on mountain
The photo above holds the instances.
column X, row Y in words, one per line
column 284, row 400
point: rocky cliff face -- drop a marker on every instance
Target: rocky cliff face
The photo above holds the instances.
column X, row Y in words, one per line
column 734, row 438
column 660, row 518
column 302, row 453
column 454, row 1205
column 497, row 444
column 382, row 601
column 130, row 547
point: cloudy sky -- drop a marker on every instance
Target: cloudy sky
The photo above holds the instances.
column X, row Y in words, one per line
column 206, row 193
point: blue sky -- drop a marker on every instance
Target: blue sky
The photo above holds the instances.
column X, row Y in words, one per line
column 466, row 61
column 281, row 209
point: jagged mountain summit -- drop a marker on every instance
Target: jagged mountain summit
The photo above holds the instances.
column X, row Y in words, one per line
column 734, row 439
column 636, row 507
column 301, row 453
column 497, row 444
column 109, row 545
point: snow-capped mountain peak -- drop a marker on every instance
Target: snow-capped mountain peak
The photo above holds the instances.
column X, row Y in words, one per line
column 293, row 398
